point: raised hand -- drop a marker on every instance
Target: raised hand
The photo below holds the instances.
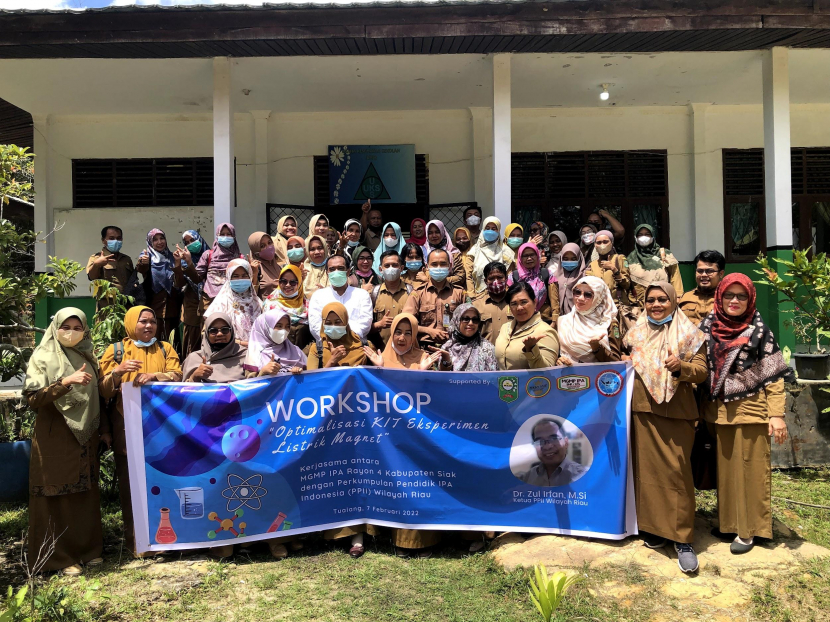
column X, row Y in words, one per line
column 385, row 321
column 144, row 258
column 672, row 362
column 530, row 341
column 366, row 206
column 375, row 357
column 430, row 360
column 337, row 355
column 203, row 371
column 536, row 239
column 270, row 368
column 343, row 244
column 79, row 377
column 104, row 259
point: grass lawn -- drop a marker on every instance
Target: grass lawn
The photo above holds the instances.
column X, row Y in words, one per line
column 323, row 583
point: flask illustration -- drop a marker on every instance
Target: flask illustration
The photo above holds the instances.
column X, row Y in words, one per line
column 165, row 533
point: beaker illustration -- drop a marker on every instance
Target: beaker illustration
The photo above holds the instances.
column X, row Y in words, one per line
column 165, row 533
column 191, row 502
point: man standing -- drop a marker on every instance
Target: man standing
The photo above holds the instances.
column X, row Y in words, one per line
column 554, row 468
column 356, row 300
column 614, row 225
column 390, row 297
column 491, row 305
column 472, row 220
column 372, row 223
column 698, row 303
column 110, row 265
column 435, row 303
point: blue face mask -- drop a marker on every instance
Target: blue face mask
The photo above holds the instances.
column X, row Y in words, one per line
column 353, row 244
column 338, row 278
column 295, row 254
column 663, row 321
column 570, row 265
column 240, row 285
column 225, row 240
column 414, row 265
column 335, row 332
column 514, row 243
column 145, row 344
column 489, row 235
column 439, row 274
column 114, row 246
column 317, row 265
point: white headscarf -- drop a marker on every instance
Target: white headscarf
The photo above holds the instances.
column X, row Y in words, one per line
column 484, row 252
column 577, row 328
column 243, row 309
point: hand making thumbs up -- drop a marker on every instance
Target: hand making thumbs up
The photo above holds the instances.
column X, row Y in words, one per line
column 79, row 377
column 270, row 368
column 672, row 362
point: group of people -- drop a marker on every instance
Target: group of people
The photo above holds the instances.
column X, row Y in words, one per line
column 486, row 298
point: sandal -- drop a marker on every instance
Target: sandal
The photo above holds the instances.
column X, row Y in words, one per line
column 477, row 546
column 357, row 550
column 95, row 562
column 278, row 551
column 72, row 571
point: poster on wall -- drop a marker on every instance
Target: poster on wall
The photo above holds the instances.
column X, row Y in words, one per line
column 380, row 173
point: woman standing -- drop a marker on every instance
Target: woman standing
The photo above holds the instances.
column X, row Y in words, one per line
column 315, row 275
column 64, row 501
column 590, row 332
column 140, row 358
column 392, row 240
column 437, row 238
column 417, row 232
column 461, row 238
column 286, row 228
column 318, row 225
column 610, row 267
column 649, row 263
column 571, row 269
column 669, row 357
column 514, row 236
column 192, row 305
column 526, row 341
column 529, row 270
column 416, row 274
column 289, row 298
column 556, row 240
column 156, row 266
column 295, row 250
column 266, row 269
column 212, row 265
column 487, row 249
column 744, row 400
column 237, row 300
column 587, row 237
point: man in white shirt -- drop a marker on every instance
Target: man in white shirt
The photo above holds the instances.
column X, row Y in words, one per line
column 357, row 301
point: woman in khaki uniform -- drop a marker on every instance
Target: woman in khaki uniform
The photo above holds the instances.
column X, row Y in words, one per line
column 192, row 304
column 649, row 263
column 744, row 399
column 64, row 501
column 669, row 357
column 610, row 267
column 526, row 341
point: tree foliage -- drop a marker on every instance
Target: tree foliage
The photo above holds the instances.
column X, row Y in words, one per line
column 16, row 173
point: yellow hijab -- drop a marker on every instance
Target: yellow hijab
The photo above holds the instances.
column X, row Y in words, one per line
column 411, row 359
column 354, row 346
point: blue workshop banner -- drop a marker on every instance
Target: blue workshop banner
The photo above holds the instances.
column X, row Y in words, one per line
column 381, row 173
column 541, row 451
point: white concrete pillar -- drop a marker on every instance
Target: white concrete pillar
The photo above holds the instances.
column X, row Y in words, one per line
column 260, row 158
column 502, row 147
column 481, row 120
column 44, row 221
column 707, row 204
column 777, row 175
column 223, row 165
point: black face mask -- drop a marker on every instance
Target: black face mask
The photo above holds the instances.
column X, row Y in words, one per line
column 375, row 229
column 216, row 347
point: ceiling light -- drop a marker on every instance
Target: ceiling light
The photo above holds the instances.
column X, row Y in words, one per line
column 604, row 95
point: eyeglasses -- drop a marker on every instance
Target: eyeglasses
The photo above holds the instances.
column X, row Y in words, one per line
column 586, row 295
column 662, row 300
column 469, row 320
column 225, row 330
column 364, row 258
column 544, row 442
column 286, row 283
column 706, row 271
column 733, row 296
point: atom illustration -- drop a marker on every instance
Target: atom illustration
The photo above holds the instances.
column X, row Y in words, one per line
column 244, row 493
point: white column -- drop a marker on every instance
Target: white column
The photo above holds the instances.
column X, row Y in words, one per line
column 707, row 204
column 501, row 137
column 260, row 159
column 777, row 176
column 482, row 152
column 223, row 173
column 43, row 214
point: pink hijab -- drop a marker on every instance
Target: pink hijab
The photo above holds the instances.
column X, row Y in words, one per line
column 532, row 277
column 446, row 244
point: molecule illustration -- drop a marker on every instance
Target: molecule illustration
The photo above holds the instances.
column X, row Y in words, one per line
column 227, row 524
column 244, row 492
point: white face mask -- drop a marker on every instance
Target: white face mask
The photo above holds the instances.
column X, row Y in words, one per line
column 391, row 274
column 70, row 338
column 279, row 335
column 390, row 241
column 473, row 221
column 645, row 240
column 588, row 238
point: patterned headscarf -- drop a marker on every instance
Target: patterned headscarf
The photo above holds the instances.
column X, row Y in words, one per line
column 445, row 243
column 218, row 260
column 647, row 256
column 577, row 328
column 242, row 308
column 469, row 353
column 533, row 276
column 161, row 264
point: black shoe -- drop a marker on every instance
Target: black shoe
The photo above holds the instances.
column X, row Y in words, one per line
column 653, row 542
column 686, row 557
column 720, row 535
column 739, row 548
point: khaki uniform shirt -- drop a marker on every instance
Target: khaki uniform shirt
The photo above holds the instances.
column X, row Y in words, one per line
column 697, row 304
column 510, row 352
column 428, row 305
column 682, row 404
column 618, row 283
column 758, row 408
column 371, row 240
column 564, row 474
column 117, row 272
column 494, row 315
column 391, row 303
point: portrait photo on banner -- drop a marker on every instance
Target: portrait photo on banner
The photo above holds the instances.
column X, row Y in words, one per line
column 549, row 451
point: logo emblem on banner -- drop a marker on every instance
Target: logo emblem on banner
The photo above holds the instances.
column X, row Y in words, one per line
column 509, row 388
column 573, row 383
column 609, row 383
column 538, row 386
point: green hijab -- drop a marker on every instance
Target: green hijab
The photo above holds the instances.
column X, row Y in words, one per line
column 647, row 256
column 50, row 361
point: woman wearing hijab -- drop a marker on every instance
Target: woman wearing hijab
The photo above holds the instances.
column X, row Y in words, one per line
column 744, row 400
column 487, row 249
column 649, row 263
column 346, row 243
column 529, row 270
column 514, row 236
column 265, row 268
column 289, row 298
column 192, row 305
column 526, row 341
column 315, row 275
column 392, row 240
column 556, row 240
column 462, row 239
column 140, row 358
column 212, row 266
column 417, row 232
column 571, row 269
column 466, row 350
column 269, row 343
column 437, row 238
column 286, row 227
column 295, row 250
column 590, row 332
column 318, row 225
column 669, row 357
column 156, row 266
column 539, row 235
column 610, row 267
column 237, row 300
column 341, row 346
column 587, row 236
column 61, row 386
column 361, row 273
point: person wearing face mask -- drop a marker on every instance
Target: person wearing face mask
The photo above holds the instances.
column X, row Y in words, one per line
column 699, row 302
column 492, row 305
column 669, row 357
column 590, row 333
column 556, row 240
column 371, row 221
column 156, row 264
column 270, row 351
column 237, row 300
column 461, row 239
column 389, row 298
column 529, row 270
column 295, row 250
column 417, row 232
column 61, row 386
column 289, row 298
column 140, row 358
column 348, row 241
column 587, row 236
column 472, row 221
column 514, row 236
column 110, row 264
column 435, row 303
column 414, row 267
column 571, row 269
column 192, row 305
column 357, row 301
column 339, row 345
column 392, row 241
column 487, row 249
column 743, row 399
column 610, row 267
column 286, row 228
column 315, row 275
column 437, row 238
column 649, row 263
column 263, row 262
column 211, row 269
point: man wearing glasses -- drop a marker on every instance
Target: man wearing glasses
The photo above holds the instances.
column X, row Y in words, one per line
column 554, row 468
column 696, row 304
